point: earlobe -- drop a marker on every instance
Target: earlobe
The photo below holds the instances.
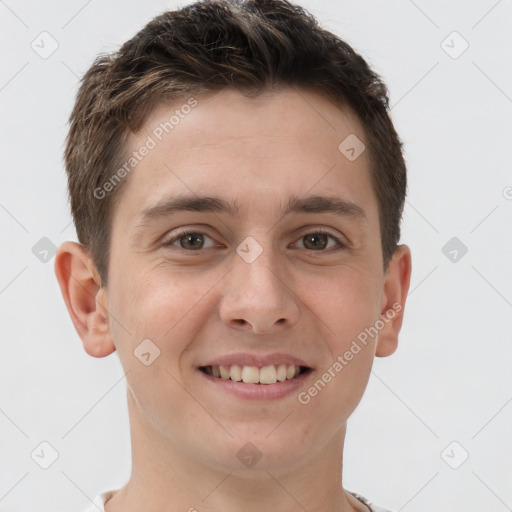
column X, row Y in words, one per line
column 85, row 300
column 396, row 287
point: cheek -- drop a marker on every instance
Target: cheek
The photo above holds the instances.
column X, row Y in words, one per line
column 143, row 309
column 335, row 394
column 166, row 306
column 163, row 309
column 156, row 298
column 345, row 301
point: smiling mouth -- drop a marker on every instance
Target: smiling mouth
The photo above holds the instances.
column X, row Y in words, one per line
column 254, row 375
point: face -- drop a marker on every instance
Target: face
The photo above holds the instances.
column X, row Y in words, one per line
column 267, row 274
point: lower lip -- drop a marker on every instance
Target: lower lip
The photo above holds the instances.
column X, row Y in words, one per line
column 257, row 391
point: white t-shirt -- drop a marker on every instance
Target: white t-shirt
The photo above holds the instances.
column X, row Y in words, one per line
column 99, row 502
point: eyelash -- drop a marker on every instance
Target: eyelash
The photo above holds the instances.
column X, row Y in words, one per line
column 177, row 236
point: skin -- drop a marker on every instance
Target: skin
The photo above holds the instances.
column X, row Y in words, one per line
column 200, row 304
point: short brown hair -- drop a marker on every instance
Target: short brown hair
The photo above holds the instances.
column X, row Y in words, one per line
column 251, row 45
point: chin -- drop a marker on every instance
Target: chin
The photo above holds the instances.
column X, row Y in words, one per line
column 249, row 455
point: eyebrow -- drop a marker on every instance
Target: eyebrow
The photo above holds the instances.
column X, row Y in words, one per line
column 217, row 204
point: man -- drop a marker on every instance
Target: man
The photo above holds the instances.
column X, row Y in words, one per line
column 237, row 187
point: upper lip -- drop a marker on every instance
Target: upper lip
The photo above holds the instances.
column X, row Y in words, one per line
column 244, row 359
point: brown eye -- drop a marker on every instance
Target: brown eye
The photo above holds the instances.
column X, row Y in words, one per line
column 318, row 241
column 190, row 241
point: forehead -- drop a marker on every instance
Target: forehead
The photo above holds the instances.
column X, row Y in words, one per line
column 274, row 118
column 276, row 145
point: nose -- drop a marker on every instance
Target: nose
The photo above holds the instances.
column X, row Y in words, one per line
column 257, row 296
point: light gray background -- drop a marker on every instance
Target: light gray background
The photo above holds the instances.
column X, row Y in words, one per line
column 450, row 379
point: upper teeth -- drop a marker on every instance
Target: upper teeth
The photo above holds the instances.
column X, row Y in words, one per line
column 254, row 375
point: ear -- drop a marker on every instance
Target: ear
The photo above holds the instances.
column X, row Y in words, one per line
column 396, row 287
column 85, row 299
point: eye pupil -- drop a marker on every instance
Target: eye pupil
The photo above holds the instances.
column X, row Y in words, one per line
column 318, row 240
column 191, row 241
